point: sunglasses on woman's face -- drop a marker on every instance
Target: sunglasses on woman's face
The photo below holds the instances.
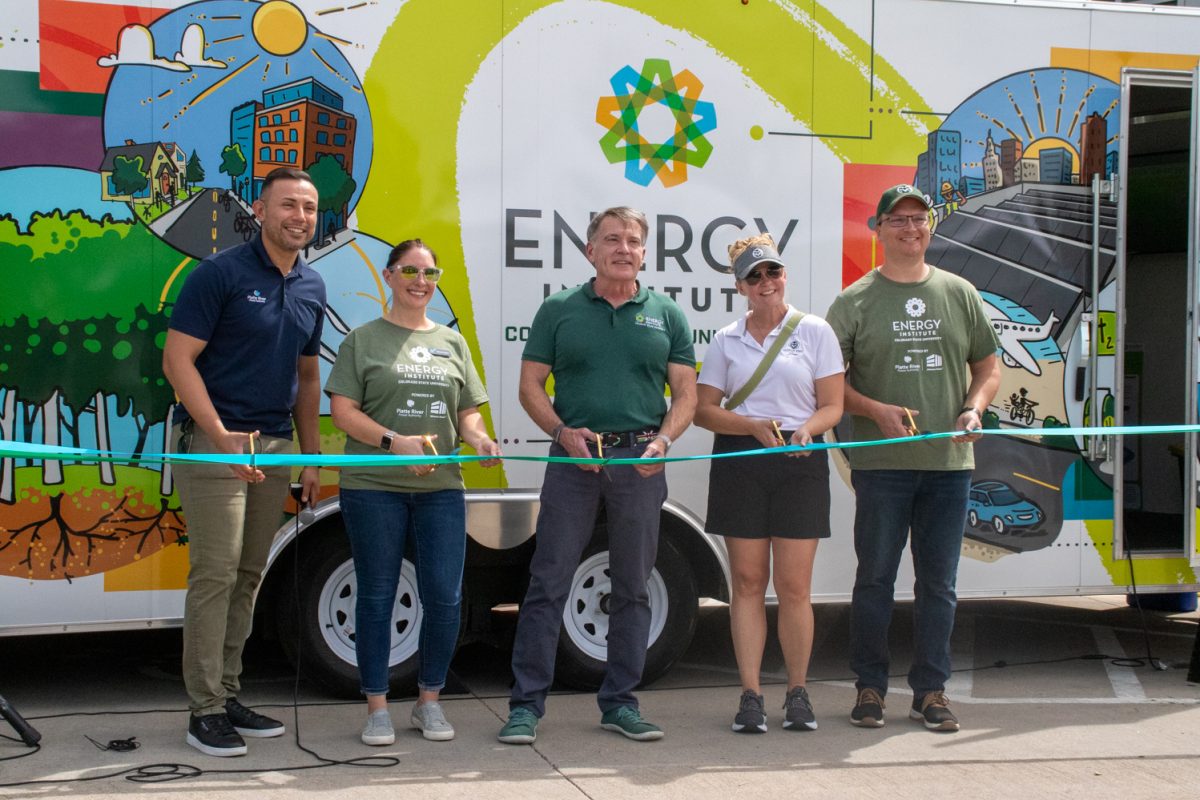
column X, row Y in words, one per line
column 773, row 271
column 431, row 273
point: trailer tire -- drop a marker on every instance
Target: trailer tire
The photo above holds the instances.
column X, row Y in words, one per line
column 673, row 611
column 318, row 633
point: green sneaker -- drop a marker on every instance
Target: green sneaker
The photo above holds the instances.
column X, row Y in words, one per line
column 627, row 721
column 521, row 727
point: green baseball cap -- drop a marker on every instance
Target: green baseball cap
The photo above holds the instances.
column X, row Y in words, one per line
column 892, row 197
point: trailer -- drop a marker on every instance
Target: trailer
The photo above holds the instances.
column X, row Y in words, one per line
column 1057, row 139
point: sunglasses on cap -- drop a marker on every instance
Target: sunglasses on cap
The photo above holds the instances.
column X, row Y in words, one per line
column 431, row 273
column 773, row 271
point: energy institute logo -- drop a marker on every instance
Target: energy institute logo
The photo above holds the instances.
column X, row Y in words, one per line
column 621, row 114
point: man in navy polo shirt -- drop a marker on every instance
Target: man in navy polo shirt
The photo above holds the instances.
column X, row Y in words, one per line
column 241, row 354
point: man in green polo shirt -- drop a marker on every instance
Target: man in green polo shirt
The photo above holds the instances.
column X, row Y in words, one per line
column 612, row 346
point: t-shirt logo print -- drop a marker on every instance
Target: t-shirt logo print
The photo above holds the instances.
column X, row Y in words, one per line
column 915, row 307
column 419, row 354
column 256, row 297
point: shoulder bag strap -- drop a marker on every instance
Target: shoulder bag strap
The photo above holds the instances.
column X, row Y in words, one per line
column 738, row 397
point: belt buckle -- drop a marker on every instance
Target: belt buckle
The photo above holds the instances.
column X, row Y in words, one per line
column 645, row 437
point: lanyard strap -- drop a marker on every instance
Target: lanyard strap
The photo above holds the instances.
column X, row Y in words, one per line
column 738, row 397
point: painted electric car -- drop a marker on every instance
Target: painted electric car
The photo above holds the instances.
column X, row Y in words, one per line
column 998, row 504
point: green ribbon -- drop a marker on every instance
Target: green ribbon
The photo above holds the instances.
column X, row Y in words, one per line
column 10, row 449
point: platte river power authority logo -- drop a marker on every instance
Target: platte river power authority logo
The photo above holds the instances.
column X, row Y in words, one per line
column 632, row 94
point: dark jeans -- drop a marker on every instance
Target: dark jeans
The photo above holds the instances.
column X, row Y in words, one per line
column 378, row 524
column 890, row 502
column 569, row 502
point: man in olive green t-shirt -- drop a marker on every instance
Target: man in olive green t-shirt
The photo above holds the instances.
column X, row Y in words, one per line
column 921, row 355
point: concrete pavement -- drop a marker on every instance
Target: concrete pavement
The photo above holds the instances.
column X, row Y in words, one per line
column 1046, row 723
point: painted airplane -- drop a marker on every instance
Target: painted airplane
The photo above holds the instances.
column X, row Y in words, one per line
column 1013, row 336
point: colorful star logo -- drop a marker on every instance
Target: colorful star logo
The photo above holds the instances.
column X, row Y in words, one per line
column 632, row 93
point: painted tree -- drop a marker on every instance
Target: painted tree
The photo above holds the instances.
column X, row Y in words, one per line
column 129, row 176
column 335, row 187
column 77, row 337
column 194, row 172
column 233, row 163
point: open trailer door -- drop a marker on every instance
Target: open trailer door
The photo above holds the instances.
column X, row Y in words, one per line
column 1156, row 346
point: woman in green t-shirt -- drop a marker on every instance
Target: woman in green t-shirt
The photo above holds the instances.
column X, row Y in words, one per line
column 405, row 384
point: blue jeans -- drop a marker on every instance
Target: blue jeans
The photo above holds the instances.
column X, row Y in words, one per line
column 890, row 502
column 378, row 524
column 570, row 500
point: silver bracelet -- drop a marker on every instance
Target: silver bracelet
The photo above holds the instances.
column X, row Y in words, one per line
column 558, row 429
column 666, row 439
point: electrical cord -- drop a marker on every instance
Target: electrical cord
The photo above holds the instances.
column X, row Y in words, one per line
column 168, row 771
column 1154, row 662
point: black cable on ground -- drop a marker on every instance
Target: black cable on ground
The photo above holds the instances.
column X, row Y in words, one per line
column 1137, row 601
column 165, row 772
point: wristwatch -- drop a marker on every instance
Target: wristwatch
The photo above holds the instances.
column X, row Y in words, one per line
column 386, row 441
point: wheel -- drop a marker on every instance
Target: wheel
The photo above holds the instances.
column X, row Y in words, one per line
column 998, row 525
column 583, row 643
column 972, row 518
column 319, row 632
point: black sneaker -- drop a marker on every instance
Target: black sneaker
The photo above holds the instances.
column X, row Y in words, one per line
column 213, row 735
column 251, row 723
column 933, row 709
column 798, row 711
column 868, row 709
column 750, row 717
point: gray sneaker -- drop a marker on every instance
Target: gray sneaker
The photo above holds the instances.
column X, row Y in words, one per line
column 378, row 730
column 798, row 711
column 750, row 717
column 430, row 720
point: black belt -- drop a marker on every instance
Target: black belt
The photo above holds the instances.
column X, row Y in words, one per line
column 625, row 438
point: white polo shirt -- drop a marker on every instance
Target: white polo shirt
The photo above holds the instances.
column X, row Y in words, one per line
column 787, row 392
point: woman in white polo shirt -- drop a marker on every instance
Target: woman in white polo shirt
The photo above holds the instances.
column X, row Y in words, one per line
column 770, row 508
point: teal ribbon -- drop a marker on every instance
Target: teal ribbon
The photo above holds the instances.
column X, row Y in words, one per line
column 10, row 449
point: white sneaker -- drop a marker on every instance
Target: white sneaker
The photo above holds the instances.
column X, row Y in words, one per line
column 378, row 730
column 430, row 720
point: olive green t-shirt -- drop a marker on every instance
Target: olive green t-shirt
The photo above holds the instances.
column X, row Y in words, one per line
column 910, row 344
column 609, row 364
column 413, row 382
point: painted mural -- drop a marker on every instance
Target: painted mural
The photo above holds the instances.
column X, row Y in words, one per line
column 136, row 137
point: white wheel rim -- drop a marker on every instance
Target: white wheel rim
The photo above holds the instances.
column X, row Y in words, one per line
column 585, row 617
column 335, row 614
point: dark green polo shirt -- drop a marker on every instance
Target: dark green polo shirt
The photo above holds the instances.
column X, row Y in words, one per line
column 609, row 364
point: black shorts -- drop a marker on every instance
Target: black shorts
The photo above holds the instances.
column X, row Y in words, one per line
column 756, row 497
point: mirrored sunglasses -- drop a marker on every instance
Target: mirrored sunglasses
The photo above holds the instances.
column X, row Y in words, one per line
column 773, row 271
column 431, row 273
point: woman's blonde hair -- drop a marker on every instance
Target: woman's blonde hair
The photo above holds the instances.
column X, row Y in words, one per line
column 740, row 246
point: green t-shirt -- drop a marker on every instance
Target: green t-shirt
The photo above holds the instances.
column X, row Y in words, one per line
column 415, row 383
column 609, row 364
column 910, row 344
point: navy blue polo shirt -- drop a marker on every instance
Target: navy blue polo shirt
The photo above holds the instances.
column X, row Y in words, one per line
column 257, row 324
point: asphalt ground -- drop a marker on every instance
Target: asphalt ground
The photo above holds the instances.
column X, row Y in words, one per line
column 1043, row 715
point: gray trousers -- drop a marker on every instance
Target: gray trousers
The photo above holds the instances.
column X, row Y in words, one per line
column 569, row 502
column 231, row 524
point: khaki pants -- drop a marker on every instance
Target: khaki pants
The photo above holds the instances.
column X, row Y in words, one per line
column 231, row 524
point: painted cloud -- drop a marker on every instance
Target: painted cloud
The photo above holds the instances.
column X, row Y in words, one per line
column 135, row 45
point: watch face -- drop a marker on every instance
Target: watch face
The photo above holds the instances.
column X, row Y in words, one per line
column 386, row 442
